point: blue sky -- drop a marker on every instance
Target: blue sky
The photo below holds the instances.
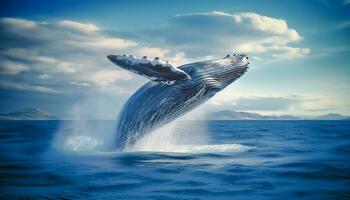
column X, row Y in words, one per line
column 53, row 54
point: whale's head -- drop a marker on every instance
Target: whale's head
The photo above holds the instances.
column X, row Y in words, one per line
column 220, row 73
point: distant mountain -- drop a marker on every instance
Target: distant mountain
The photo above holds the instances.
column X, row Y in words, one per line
column 38, row 114
column 28, row 114
column 233, row 115
column 333, row 116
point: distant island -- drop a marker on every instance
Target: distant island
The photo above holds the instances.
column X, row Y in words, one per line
column 39, row 114
column 233, row 115
column 28, row 114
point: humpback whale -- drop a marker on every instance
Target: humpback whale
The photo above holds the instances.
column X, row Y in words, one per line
column 171, row 91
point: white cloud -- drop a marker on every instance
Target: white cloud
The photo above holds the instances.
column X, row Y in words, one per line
column 107, row 77
column 70, row 53
column 44, row 76
column 176, row 59
column 78, row 26
column 214, row 33
column 27, row 55
column 79, row 83
column 27, row 87
column 299, row 104
column 264, row 24
column 22, row 24
column 65, row 67
column 11, row 68
column 256, row 102
column 343, row 25
column 66, row 55
column 107, row 43
column 35, row 60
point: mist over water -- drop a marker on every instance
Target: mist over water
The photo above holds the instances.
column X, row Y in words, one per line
column 85, row 132
column 84, row 136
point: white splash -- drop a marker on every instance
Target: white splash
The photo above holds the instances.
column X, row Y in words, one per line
column 182, row 131
column 183, row 136
column 82, row 143
column 214, row 148
column 80, row 134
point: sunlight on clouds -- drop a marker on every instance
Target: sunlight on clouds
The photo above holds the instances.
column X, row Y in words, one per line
column 27, row 87
column 259, row 102
column 224, row 32
column 27, row 55
column 70, row 56
column 37, row 62
column 79, row 83
column 66, row 67
column 176, row 59
column 265, row 24
column 275, row 104
column 78, row 26
column 107, row 77
column 11, row 68
column 44, row 76
column 79, row 49
column 20, row 24
column 109, row 43
column 318, row 103
column 152, row 52
column 74, row 51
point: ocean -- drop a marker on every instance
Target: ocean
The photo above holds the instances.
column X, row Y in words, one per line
column 236, row 160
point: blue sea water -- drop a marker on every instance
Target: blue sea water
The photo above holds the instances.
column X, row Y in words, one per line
column 242, row 160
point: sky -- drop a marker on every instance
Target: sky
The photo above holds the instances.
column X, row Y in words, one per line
column 53, row 53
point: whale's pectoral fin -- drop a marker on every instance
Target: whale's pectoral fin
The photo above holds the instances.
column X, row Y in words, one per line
column 156, row 70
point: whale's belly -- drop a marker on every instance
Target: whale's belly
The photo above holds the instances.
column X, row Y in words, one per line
column 154, row 105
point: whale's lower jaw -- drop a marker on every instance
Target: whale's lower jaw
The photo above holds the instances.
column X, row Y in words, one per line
column 155, row 105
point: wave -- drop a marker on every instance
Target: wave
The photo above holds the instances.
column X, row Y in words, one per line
column 205, row 148
column 82, row 143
